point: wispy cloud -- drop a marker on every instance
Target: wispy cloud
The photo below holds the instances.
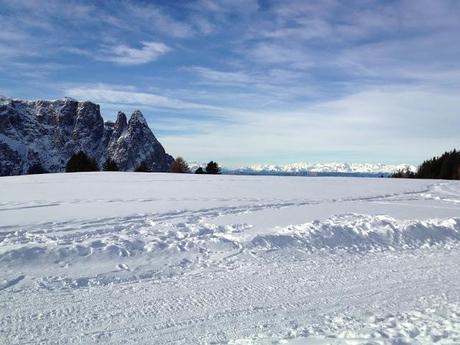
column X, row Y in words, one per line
column 125, row 55
column 117, row 95
column 149, row 16
column 224, row 77
column 246, row 7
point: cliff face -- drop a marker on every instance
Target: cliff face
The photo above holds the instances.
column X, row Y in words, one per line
column 49, row 132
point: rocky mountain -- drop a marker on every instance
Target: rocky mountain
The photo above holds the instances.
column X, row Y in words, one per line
column 49, row 132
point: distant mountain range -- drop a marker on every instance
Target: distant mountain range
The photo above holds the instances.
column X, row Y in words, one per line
column 317, row 169
column 47, row 133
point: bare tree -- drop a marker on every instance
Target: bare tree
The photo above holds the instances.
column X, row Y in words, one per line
column 179, row 166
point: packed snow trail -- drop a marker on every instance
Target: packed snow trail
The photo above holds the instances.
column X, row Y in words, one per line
column 132, row 258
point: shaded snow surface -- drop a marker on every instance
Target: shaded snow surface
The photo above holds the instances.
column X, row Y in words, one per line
column 139, row 258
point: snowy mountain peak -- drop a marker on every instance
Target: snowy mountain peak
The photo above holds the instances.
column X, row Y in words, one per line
column 69, row 99
column 306, row 168
column 137, row 118
column 314, row 169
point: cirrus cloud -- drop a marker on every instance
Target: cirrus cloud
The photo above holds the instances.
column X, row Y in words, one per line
column 124, row 55
column 109, row 94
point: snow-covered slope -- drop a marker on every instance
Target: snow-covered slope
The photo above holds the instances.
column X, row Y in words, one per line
column 133, row 258
column 47, row 133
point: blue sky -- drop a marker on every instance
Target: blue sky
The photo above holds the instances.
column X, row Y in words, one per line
column 246, row 81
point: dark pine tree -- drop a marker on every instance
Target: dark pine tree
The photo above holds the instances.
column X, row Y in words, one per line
column 199, row 171
column 142, row 167
column 212, row 168
column 403, row 173
column 36, row 169
column 81, row 162
column 447, row 167
column 110, row 165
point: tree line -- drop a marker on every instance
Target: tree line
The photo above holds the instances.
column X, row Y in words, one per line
column 81, row 162
column 446, row 167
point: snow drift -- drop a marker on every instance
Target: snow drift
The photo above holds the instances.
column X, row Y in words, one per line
column 362, row 232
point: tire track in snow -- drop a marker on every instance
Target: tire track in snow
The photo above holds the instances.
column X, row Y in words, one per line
column 247, row 297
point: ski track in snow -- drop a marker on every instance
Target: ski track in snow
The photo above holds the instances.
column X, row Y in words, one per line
column 130, row 258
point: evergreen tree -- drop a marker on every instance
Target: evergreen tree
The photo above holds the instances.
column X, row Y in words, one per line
column 142, row 167
column 110, row 165
column 447, row 167
column 212, row 168
column 404, row 173
column 179, row 166
column 36, row 169
column 81, row 162
column 199, row 171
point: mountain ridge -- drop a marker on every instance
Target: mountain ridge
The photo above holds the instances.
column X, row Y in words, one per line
column 333, row 167
column 48, row 132
column 314, row 169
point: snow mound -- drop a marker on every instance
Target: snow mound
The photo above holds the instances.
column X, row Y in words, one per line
column 362, row 232
column 145, row 237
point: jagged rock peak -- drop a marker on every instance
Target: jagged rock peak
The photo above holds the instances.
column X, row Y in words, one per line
column 137, row 117
column 121, row 122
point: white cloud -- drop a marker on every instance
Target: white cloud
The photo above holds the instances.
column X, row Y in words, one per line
column 225, row 6
column 293, row 56
column 71, row 9
column 260, row 89
column 110, row 94
column 124, row 55
column 151, row 18
column 223, row 77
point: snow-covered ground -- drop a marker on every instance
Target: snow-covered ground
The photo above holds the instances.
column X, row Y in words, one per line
column 145, row 258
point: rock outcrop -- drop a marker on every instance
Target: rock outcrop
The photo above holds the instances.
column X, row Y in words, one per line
column 47, row 133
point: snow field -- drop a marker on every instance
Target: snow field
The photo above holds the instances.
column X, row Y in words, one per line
column 129, row 258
